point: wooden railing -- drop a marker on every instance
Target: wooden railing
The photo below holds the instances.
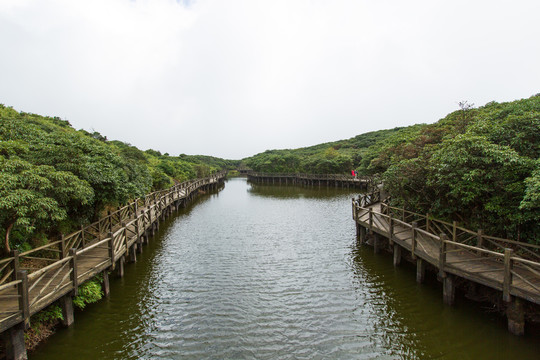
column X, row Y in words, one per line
column 32, row 280
column 339, row 177
column 513, row 267
column 370, row 198
column 462, row 235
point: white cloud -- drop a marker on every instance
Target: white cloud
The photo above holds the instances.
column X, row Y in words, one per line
column 232, row 78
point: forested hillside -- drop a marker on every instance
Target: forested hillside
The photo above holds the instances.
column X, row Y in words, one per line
column 54, row 178
column 479, row 166
column 329, row 158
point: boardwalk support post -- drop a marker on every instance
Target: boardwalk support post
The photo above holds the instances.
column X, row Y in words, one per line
column 449, row 290
column 120, row 268
column 363, row 234
column 14, row 343
column 516, row 317
column 420, row 270
column 66, row 303
column 376, row 243
column 397, row 255
column 133, row 253
column 105, row 283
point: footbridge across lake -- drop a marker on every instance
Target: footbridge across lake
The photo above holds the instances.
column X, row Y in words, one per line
column 33, row 280
column 509, row 267
column 337, row 180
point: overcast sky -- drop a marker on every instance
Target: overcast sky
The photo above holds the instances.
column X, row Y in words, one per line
column 232, row 78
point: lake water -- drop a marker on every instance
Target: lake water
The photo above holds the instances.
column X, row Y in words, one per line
column 274, row 272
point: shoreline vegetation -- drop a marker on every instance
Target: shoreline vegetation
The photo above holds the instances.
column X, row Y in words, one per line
column 480, row 166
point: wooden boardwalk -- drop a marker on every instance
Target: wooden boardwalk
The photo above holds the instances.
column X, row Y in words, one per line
column 32, row 280
column 510, row 267
column 346, row 181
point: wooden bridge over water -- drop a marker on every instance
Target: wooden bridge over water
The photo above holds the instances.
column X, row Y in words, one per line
column 33, row 280
column 344, row 181
column 509, row 267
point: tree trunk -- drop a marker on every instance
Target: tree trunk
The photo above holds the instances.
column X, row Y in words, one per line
column 7, row 249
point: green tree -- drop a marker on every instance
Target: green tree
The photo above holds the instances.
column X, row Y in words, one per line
column 31, row 194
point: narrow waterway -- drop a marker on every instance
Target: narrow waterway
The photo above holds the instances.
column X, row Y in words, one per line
column 270, row 272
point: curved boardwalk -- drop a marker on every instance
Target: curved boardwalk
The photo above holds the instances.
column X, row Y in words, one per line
column 510, row 267
column 32, row 280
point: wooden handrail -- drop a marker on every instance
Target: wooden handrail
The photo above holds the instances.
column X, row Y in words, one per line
column 501, row 242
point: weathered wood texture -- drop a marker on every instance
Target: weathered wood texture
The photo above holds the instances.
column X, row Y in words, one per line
column 508, row 266
column 61, row 266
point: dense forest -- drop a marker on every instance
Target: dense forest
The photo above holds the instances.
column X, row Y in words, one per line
column 479, row 166
column 54, row 178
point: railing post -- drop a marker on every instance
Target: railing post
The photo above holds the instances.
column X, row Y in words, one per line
column 371, row 219
column 413, row 244
column 144, row 220
column 442, row 255
column 63, row 249
column 138, row 232
column 150, row 218
column 74, row 275
column 15, row 254
column 24, row 303
column 427, row 222
column 109, row 217
column 111, row 249
column 126, row 240
column 454, row 231
column 479, row 238
column 391, row 229
column 507, row 281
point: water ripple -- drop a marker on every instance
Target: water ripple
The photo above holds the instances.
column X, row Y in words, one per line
column 274, row 273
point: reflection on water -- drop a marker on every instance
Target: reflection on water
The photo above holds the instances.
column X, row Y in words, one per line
column 269, row 272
